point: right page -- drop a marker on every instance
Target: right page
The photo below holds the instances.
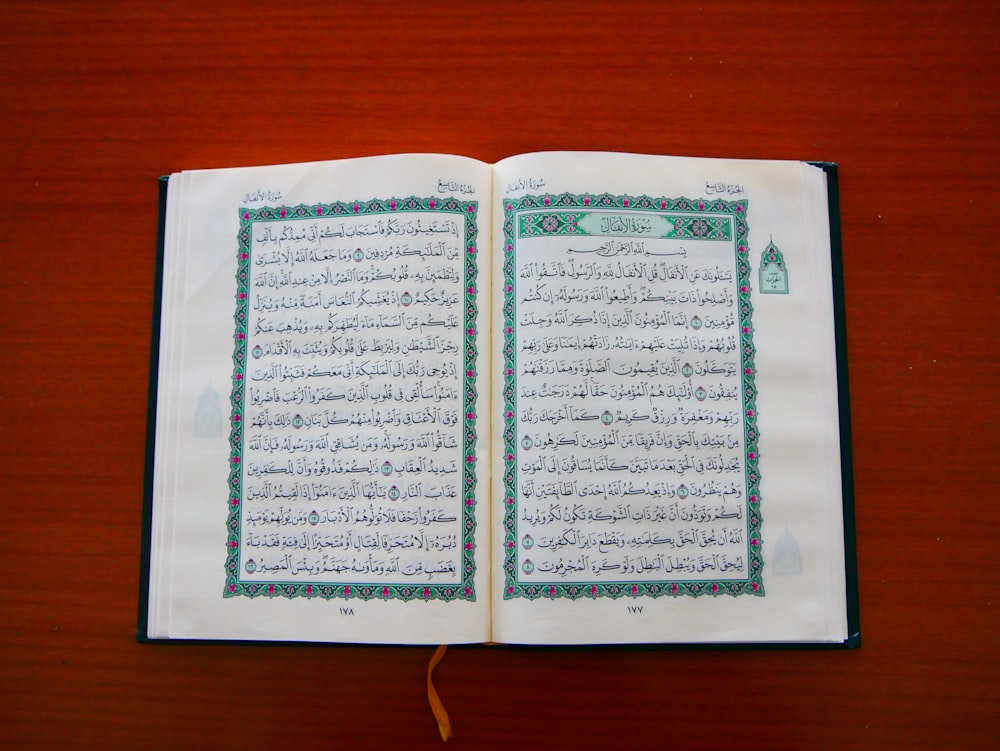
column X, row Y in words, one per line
column 666, row 433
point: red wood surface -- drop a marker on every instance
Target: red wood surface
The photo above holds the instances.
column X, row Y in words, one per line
column 100, row 98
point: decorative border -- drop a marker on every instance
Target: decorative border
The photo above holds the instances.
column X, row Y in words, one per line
column 772, row 257
column 564, row 223
column 699, row 219
column 467, row 210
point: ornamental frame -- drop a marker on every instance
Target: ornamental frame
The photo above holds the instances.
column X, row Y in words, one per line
column 690, row 219
column 465, row 590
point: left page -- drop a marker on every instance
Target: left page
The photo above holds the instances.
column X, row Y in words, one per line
column 322, row 434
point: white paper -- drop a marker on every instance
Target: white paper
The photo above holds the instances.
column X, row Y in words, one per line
column 339, row 513
column 611, row 551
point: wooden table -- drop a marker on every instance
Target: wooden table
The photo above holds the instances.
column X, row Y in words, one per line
column 100, row 98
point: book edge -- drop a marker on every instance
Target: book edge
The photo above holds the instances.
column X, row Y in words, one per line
column 853, row 639
column 142, row 627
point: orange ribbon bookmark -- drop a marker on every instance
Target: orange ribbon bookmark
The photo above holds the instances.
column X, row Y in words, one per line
column 440, row 713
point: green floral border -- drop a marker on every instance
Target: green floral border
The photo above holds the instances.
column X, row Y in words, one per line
column 694, row 216
column 467, row 210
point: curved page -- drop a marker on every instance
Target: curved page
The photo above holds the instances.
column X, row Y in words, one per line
column 666, row 442
column 322, row 429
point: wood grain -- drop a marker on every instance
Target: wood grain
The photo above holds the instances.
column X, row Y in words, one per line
column 101, row 97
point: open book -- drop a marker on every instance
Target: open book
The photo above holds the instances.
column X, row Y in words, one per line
column 568, row 398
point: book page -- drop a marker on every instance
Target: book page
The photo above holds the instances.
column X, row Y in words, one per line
column 666, row 441
column 322, row 430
